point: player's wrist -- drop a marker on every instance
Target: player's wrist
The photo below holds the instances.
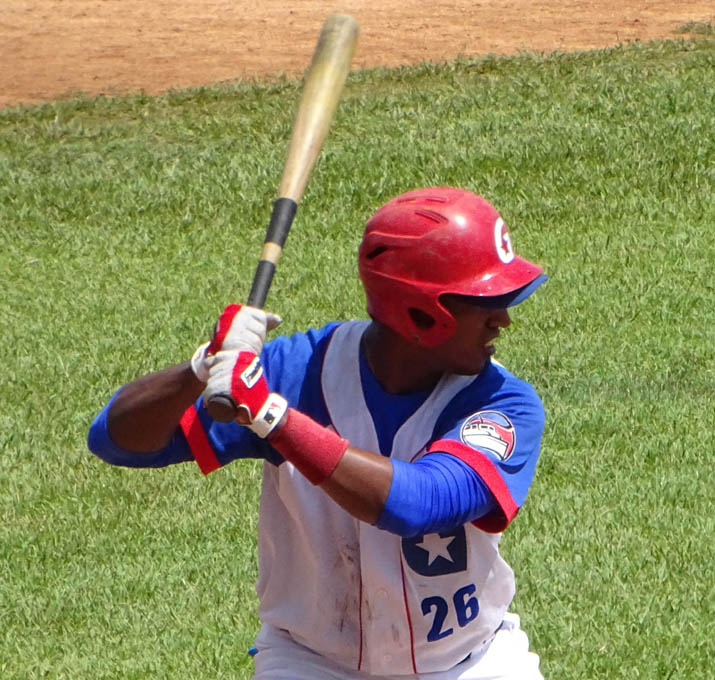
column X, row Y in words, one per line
column 313, row 449
column 269, row 415
column 277, row 427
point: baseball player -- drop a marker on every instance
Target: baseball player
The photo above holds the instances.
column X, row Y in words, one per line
column 396, row 450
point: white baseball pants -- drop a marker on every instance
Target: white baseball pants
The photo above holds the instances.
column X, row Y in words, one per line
column 507, row 658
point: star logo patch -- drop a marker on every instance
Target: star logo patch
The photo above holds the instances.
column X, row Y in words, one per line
column 436, row 554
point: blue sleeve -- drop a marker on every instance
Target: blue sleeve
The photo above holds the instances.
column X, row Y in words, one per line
column 437, row 493
column 499, row 436
column 102, row 446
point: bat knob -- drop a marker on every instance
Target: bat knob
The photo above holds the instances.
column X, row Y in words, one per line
column 222, row 408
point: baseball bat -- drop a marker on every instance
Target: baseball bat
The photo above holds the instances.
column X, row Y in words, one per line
column 322, row 86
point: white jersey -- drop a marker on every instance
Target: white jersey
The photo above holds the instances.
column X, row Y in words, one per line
column 360, row 596
column 363, row 597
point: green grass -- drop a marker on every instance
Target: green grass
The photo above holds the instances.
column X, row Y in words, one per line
column 127, row 224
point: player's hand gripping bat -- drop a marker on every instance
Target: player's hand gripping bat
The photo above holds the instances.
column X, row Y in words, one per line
column 324, row 81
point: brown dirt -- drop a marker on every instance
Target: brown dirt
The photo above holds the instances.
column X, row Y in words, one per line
column 51, row 49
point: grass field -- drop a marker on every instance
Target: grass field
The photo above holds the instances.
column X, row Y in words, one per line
column 127, row 224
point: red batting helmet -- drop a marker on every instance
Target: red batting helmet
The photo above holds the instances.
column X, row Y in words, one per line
column 430, row 242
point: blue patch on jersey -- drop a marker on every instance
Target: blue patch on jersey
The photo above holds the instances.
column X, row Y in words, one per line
column 437, row 554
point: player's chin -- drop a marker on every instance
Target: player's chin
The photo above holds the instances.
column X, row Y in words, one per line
column 474, row 364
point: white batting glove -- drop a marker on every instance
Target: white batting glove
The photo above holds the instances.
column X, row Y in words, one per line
column 238, row 328
column 231, row 367
column 199, row 365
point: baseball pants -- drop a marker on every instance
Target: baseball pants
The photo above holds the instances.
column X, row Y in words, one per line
column 507, row 658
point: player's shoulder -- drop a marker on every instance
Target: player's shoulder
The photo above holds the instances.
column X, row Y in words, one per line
column 496, row 389
column 498, row 414
column 502, row 384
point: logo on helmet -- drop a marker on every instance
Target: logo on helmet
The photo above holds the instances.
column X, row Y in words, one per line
column 502, row 241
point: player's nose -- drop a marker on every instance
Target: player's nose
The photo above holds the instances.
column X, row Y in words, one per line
column 500, row 318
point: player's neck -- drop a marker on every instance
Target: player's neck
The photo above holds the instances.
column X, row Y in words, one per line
column 399, row 366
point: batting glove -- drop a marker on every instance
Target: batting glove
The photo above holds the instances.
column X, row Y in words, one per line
column 230, row 366
column 238, row 328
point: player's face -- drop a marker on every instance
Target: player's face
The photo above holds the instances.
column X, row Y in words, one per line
column 470, row 347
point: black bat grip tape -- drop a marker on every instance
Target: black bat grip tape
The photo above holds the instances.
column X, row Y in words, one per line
column 222, row 407
column 284, row 210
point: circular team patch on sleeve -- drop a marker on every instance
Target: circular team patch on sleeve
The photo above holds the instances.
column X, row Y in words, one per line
column 491, row 432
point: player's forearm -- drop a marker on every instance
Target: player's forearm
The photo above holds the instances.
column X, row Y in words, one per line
column 360, row 484
column 146, row 412
column 438, row 492
column 359, row 481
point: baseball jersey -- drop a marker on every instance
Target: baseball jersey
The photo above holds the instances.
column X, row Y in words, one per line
column 364, row 597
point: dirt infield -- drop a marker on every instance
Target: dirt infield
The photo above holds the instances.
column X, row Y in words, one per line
column 51, row 49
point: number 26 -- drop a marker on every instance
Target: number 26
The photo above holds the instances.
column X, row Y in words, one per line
column 465, row 606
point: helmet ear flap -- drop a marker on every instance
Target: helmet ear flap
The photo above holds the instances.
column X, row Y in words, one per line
column 422, row 322
column 421, row 319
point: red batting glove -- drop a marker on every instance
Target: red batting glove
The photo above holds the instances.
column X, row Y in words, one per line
column 241, row 375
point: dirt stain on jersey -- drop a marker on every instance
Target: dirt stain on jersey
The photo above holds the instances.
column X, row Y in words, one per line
column 346, row 604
